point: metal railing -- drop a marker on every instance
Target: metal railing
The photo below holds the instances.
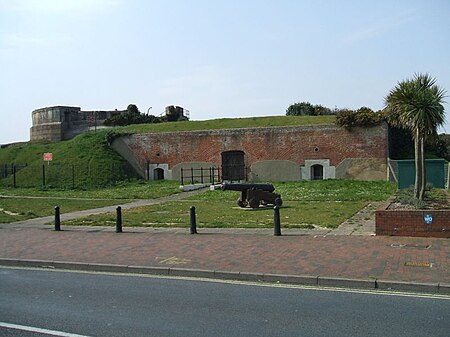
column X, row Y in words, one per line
column 65, row 176
column 213, row 175
column 201, row 175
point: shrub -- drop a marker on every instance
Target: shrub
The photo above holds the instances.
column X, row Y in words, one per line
column 363, row 117
column 307, row 109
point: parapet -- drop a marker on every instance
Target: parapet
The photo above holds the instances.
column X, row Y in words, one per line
column 65, row 122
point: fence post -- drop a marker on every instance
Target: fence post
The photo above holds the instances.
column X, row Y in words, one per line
column 192, row 175
column 193, row 221
column 14, row 175
column 182, row 180
column 57, row 219
column 73, row 176
column 119, row 219
column 43, row 175
column 276, row 220
column 201, row 173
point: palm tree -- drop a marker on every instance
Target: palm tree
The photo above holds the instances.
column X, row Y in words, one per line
column 417, row 105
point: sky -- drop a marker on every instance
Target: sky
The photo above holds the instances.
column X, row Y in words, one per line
column 218, row 59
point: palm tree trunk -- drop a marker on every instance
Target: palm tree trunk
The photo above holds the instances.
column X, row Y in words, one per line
column 423, row 181
column 417, row 162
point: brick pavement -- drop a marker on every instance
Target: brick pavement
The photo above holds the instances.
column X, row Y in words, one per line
column 416, row 260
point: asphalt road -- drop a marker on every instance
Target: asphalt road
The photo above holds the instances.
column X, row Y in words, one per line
column 91, row 304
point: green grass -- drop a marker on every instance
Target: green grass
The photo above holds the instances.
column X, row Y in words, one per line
column 13, row 209
column 38, row 202
column 89, row 156
column 82, row 148
column 133, row 190
column 227, row 123
column 336, row 190
column 306, row 205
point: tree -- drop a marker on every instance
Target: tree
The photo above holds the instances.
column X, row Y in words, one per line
column 417, row 105
column 133, row 109
column 363, row 117
column 300, row 109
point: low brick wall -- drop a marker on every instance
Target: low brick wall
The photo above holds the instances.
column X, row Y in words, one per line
column 427, row 223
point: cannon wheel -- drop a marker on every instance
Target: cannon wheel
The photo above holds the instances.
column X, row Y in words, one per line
column 254, row 203
column 278, row 202
column 241, row 203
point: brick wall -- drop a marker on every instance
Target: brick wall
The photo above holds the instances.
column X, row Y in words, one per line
column 412, row 223
column 295, row 144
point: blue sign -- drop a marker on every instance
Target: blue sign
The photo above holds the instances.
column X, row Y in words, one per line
column 428, row 218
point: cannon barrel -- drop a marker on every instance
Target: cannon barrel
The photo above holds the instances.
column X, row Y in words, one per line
column 245, row 187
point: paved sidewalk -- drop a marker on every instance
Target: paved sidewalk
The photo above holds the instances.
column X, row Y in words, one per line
column 315, row 257
column 371, row 262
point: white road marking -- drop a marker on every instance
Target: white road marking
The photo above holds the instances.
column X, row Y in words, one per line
column 39, row 330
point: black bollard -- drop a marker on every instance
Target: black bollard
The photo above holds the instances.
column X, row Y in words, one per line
column 276, row 220
column 193, row 221
column 57, row 219
column 119, row 219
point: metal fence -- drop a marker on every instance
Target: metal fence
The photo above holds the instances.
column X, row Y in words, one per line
column 65, row 176
column 447, row 176
column 213, row 175
column 201, row 175
column 402, row 172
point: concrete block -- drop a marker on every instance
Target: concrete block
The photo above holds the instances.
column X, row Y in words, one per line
column 148, row 270
column 226, row 275
column 108, row 268
column 341, row 282
column 408, row 286
column 292, row 279
column 185, row 272
column 444, row 288
column 67, row 265
column 251, row 277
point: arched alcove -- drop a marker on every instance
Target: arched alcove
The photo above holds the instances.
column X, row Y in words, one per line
column 158, row 174
column 317, row 172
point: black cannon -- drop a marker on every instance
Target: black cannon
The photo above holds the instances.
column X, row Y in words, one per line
column 254, row 195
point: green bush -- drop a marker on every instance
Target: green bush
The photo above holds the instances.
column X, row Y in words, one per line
column 307, row 109
column 363, row 117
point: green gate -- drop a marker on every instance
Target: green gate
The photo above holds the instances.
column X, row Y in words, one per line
column 435, row 173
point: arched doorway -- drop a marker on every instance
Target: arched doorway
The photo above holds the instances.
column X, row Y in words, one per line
column 158, row 174
column 233, row 165
column 317, row 172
